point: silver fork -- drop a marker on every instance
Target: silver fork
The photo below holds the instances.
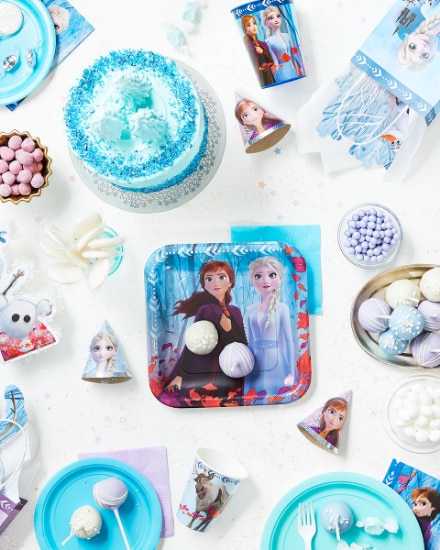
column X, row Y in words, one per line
column 306, row 523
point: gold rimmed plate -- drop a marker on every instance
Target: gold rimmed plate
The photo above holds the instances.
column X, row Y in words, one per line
column 376, row 288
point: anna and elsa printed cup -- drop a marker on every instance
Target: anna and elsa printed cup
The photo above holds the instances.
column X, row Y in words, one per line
column 213, row 480
column 270, row 35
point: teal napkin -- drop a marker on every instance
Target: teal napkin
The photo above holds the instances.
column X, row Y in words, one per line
column 305, row 238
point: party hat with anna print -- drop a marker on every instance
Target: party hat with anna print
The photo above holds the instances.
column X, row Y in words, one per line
column 260, row 129
column 324, row 426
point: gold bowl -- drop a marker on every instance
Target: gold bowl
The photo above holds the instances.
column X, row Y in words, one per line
column 46, row 170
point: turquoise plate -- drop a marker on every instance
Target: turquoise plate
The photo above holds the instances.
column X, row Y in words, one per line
column 36, row 33
column 72, row 487
column 365, row 496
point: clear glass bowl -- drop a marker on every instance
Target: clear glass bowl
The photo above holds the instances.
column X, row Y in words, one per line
column 411, row 413
column 364, row 241
column 110, row 233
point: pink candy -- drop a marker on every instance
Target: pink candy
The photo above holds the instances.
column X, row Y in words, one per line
column 24, row 176
column 24, row 188
column 24, row 157
column 8, row 178
column 15, row 142
column 15, row 167
column 37, row 181
column 5, row 190
column 38, row 154
column 6, row 153
column 21, row 167
column 28, row 145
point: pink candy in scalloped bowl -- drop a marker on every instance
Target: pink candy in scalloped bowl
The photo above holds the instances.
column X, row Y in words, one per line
column 25, row 167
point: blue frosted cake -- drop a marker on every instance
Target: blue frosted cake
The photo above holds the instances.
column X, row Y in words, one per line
column 135, row 122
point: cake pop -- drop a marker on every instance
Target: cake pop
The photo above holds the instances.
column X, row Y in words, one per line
column 430, row 284
column 406, row 322
column 425, row 349
column 390, row 344
column 373, row 315
column 403, row 291
column 85, row 523
column 336, row 517
column 110, row 494
column 201, row 337
column 431, row 314
column 236, row 360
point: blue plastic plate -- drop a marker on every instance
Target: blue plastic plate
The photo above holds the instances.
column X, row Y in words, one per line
column 72, row 487
column 364, row 495
column 37, row 33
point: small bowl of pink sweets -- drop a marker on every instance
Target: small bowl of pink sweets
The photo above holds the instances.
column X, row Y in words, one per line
column 370, row 235
column 25, row 167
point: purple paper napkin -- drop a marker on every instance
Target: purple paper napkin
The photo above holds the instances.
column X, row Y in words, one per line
column 152, row 462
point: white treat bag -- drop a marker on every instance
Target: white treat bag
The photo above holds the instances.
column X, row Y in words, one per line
column 377, row 112
column 354, row 121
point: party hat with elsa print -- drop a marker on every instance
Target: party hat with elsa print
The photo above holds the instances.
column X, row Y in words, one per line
column 324, row 426
column 259, row 128
column 106, row 363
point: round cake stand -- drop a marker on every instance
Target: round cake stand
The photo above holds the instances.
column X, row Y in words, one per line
column 189, row 187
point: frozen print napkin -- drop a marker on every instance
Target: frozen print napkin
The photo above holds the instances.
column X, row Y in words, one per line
column 421, row 492
column 152, row 462
column 306, row 238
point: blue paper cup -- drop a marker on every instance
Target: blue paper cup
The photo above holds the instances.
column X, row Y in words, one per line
column 214, row 479
column 270, row 34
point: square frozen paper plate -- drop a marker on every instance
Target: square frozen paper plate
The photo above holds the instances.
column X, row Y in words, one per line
column 264, row 312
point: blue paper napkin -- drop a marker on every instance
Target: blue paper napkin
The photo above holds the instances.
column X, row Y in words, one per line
column 306, row 238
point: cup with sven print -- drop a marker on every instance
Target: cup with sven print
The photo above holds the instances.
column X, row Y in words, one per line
column 269, row 29
column 213, row 480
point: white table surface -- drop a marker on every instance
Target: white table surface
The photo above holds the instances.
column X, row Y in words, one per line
column 73, row 416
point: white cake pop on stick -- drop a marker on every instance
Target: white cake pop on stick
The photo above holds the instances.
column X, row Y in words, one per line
column 110, row 494
column 85, row 523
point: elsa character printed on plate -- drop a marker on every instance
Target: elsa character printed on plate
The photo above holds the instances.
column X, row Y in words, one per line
column 106, row 363
column 268, row 329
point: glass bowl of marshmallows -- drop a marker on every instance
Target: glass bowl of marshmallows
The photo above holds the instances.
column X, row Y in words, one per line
column 370, row 235
column 25, row 167
column 411, row 413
